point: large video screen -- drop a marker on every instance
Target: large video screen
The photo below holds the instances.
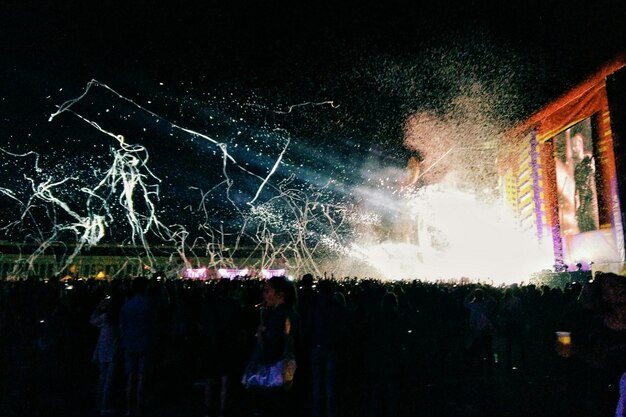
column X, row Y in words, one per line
column 576, row 179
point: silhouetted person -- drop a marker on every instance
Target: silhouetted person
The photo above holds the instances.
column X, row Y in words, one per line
column 384, row 356
column 581, row 376
column 324, row 332
column 221, row 324
column 138, row 321
column 306, row 297
column 512, row 320
column 279, row 319
column 106, row 353
column 480, row 335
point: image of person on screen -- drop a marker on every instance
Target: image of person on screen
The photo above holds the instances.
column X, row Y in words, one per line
column 586, row 201
column 566, row 188
column 576, row 185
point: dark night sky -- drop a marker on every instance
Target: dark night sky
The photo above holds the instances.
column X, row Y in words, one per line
column 224, row 68
column 275, row 45
column 291, row 50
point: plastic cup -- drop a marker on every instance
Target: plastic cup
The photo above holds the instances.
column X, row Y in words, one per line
column 564, row 338
column 564, row 344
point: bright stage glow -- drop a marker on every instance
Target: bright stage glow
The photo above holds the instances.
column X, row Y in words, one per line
column 269, row 273
column 454, row 235
column 195, row 273
column 232, row 273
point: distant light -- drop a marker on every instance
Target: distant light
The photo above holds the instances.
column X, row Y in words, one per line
column 269, row 273
column 194, row 273
column 232, row 273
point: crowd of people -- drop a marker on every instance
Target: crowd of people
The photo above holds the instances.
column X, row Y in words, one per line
column 158, row 347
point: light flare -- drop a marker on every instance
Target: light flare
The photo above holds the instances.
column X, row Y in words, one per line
column 454, row 235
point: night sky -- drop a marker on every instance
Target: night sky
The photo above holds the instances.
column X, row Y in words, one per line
column 232, row 70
